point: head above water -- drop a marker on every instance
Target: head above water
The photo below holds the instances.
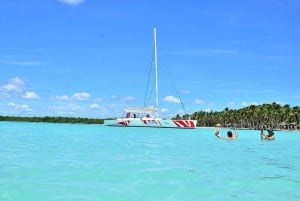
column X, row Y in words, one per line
column 229, row 134
column 270, row 133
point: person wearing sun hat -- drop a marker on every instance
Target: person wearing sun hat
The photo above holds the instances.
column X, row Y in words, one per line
column 217, row 132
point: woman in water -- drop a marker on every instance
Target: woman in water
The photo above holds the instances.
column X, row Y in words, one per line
column 230, row 135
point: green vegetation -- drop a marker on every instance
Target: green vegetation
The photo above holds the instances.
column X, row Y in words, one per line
column 47, row 119
column 253, row 117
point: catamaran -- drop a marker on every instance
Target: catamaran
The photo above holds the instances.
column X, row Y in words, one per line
column 148, row 116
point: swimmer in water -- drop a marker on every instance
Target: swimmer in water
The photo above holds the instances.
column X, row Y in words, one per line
column 230, row 135
column 270, row 136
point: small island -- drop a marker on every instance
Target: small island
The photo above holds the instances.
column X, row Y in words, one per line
column 275, row 116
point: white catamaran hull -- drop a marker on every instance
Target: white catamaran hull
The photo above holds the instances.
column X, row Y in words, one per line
column 148, row 116
column 156, row 123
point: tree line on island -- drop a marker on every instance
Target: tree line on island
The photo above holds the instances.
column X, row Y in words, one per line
column 273, row 115
column 47, row 119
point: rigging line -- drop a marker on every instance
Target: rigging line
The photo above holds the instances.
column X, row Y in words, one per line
column 146, row 99
column 173, row 83
column 151, row 92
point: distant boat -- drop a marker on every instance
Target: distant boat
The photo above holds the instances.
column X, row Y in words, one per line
column 148, row 116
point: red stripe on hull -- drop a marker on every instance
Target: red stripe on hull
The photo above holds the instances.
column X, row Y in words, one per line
column 185, row 123
column 124, row 123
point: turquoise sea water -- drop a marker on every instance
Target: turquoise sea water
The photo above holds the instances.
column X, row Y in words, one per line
column 53, row 162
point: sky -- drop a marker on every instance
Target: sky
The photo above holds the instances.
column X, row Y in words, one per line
column 91, row 58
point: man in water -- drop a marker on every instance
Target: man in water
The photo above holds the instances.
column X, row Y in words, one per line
column 270, row 136
column 230, row 136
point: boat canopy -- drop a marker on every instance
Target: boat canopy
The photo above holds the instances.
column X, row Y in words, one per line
column 144, row 110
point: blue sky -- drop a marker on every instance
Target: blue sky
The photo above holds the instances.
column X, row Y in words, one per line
column 87, row 58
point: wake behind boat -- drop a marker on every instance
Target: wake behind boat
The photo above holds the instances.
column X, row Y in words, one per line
column 148, row 116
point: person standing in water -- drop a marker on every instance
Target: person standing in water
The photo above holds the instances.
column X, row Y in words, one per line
column 230, row 135
column 270, row 136
column 217, row 132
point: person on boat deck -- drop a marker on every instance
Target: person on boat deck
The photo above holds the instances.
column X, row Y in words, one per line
column 230, row 135
column 270, row 136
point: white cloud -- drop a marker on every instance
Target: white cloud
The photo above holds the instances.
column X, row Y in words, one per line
column 11, row 87
column 164, row 110
column 14, row 85
column 94, row 106
column 11, row 104
column 25, row 107
column 185, row 92
column 171, row 99
column 20, row 108
column 73, row 107
column 63, row 98
column 30, row 95
column 72, row 2
column 128, row 99
column 17, row 81
column 82, row 96
column 208, row 109
column 245, row 104
column 198, row 102
column 231, row 104
column 16, row 88
column 70, row 109
column 22, row 63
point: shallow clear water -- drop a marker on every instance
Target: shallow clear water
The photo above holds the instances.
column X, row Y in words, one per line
column 49, row 162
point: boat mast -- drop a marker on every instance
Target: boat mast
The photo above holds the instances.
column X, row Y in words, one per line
column 156, row 77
